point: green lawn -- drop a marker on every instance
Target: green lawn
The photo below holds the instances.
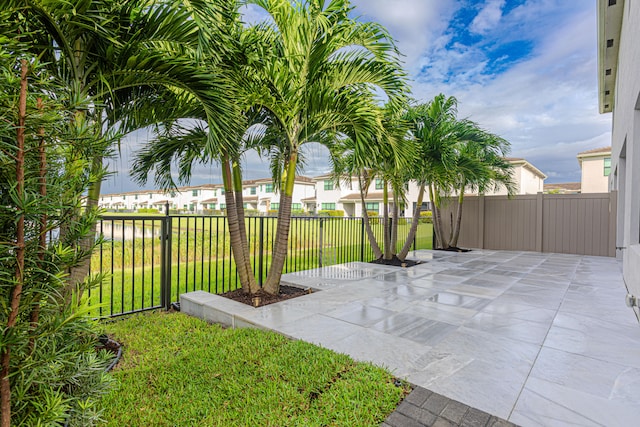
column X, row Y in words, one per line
column 180, row 371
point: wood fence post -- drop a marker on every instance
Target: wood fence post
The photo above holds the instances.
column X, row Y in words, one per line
column 539, row 225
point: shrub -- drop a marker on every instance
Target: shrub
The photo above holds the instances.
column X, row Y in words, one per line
column 426, row 217
column 148, row 210
column 48, row 341
column 373, row 217
column 334, row 213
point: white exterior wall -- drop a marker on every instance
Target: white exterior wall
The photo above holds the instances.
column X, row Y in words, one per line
column 625, row 150
column 593, row 179
column 530, row 182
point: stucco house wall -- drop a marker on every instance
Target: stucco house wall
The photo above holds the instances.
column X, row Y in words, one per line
column 594, row 175
column 619, row 92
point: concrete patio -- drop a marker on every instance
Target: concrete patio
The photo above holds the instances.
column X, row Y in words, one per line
column 534, row 338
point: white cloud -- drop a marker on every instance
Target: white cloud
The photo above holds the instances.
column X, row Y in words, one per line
column 488, row 17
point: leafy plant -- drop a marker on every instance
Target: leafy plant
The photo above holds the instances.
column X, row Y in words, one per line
column 50, row 372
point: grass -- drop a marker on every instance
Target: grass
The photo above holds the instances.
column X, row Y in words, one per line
column 178, row 370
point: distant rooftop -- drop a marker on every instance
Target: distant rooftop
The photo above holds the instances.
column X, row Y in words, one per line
column 600, row 150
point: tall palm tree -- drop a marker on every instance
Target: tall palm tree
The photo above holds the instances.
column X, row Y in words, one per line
column 316, row 76
column 106, row 51
column 435, row 127
column 480, row 166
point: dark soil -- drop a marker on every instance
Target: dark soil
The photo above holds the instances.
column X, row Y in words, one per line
column 111, row 346
column 453, row 249
column 396, row 262
column 262, row 298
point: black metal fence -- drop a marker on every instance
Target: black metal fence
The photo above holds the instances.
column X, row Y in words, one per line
column 148, row 261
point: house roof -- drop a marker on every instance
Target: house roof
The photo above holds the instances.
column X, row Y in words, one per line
column 565, row 187
column 601, row 150
column 609, row 26
column 376, row 196
column 214, row 200
column 517, row 161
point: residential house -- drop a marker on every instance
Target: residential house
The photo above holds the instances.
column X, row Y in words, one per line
column 619, row 93
column 345, row 196
column 596, row 167
column 527, row 178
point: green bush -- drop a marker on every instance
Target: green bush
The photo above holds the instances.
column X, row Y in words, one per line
column 373, row 217
column 402, row 221
column 426, row 217
column 148, row 210
column 333, row 213
column 48, row 341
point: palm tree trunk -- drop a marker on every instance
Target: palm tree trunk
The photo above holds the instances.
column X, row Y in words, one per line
column 414, row 226
column 385, row 222
column 437, row 219
column 458, row 223
column 16, row 293
column 234, row 230
column 280, row 247
column 377, row 253
column 252, row 284
column 394, row 224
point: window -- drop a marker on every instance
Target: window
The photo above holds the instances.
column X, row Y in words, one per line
column 296, row 206
column 135, row 197
column 151, row 195
column 222, row 191
column 607, row 166
column 328, row 206
column 378, row 184
column 212, row 206
column 124, row 197
column 223, row 206
column 244, row 205
column 194, row 193
column 275, row 206
column 268, row 188
column 252, row 191
column 328, row 185
column 372, row 207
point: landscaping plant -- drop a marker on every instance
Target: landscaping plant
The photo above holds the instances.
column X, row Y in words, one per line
column 50, row 371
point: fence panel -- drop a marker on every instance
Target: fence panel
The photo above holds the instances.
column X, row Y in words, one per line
column 581, row 224
column 147, row 262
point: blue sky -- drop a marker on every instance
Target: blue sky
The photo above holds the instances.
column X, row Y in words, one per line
column 523, row 69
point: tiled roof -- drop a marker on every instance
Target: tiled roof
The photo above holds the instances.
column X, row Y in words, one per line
column 602, row 150
column 570, row 186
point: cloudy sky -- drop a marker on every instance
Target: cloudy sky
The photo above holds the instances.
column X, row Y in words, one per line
column 523, row 69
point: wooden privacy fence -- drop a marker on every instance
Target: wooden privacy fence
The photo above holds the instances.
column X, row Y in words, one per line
column 581, row 224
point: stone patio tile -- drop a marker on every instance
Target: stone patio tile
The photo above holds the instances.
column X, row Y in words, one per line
column 396, row 419
column 320, row 329
column 546, row 401
column 440, row 312
column 423, row 416
column 509, row 327
column 519, row 311
column 602, row 379
column 360, row 314
column 397, row 354
column 596, row 338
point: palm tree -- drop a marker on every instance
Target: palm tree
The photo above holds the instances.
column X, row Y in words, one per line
column 480, row 166
column 109, row 52
column 435, row 127
column 316, row 77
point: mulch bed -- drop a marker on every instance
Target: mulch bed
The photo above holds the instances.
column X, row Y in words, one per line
column 111, row 346
column 262, row 298
column 397, row 262
column 453, row 249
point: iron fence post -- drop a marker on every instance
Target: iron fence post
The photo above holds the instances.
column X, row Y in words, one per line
column 261, row 251
column 362, row 239
column 165, row 259
column 320, row 243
